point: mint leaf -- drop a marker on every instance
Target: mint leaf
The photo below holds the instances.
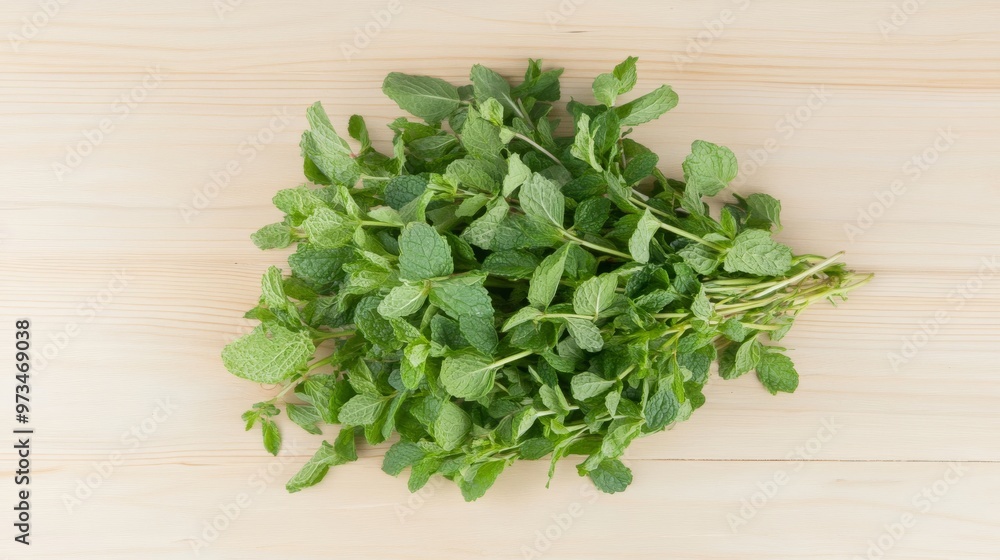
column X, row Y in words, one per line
column 611, row 476
column 747, row 357
column 588, row 385
column 648, row 107
column 423, row 253
column 607, row 87
column 777, row 373
column 402, row 301
column 431, row 99
column 467, row 376
column 638, row 244
column 584, row 146
column 328, row 152
column 451, row 426
column 327, row 229
column 268, row 354
column 272, row 236
column 305, row 415
column 595, row 296
column 545, row 280
column 361, row 410
column 540, row 198
column 754, row 252
column 586, row 335
column 479, row 479
column 462, row 295
column 709, row 168
column 517, row 174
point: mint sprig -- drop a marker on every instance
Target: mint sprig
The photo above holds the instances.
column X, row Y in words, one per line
column 488, row 291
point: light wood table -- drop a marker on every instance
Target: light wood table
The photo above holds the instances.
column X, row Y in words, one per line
column 142, row 141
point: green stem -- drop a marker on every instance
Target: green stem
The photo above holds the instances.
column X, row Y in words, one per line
column 804, row 274
column 566, row 316
column 338, row 334
column 595, row 247
column 323, row 362
column 510, row 359
column 692, row 237
column 378, row 224
column 537, row 146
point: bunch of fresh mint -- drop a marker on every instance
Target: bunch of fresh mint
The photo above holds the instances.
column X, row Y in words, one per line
column 490, row 291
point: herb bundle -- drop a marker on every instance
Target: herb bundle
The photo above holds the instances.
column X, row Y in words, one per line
column 491, row 291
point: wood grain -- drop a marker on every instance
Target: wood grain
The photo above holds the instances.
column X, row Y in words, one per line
column 133, row 406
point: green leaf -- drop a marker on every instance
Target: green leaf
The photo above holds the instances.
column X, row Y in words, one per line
column 402, row 454
column 704, row 260
column 479, row 479
column 462, row 295
column 299, row 201
column 607, row 87
column 522, row 315
column 268, row 354
column 747, row 357
column 545, row 280
column 540, row 198
column 585, row 333
column 661, row 408
column 709, row 168
column 754, row 252
column 488, row 84
column 611, row 476
column 701, row 307
column 515, row 264
column 492, row 111
column 482, row 230
column 588, row 385
column 583, row 147
column 327, row 229
column 431, row 99
column 305, row 415
column 272, row 236
column 315, row 469
column 451, row 426
column 777, row 373
column 272, row 290
column 402, row 301
column 638, row 244
column 357, row 129
column 480, row 137
column 595, row 296
column 467, row 376
column 423, row 253
column 329, row 153
column 517, row 174
column 272, row 437
column 362, row 410
column 591, row 214
column 764, row 211
column 648, row 107
column 480, row 332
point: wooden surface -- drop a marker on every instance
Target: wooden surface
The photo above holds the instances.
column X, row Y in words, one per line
column 145, row 356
